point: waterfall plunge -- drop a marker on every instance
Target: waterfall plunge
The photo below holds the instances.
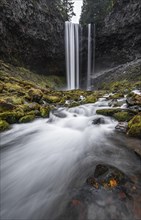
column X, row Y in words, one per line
column 72, row 39
column 72, row 54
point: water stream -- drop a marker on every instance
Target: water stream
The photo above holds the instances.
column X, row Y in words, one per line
column 45, row 163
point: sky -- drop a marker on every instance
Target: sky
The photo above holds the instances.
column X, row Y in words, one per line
column 77, row 10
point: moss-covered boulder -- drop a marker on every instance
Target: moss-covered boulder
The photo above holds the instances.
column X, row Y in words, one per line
column 134, row 99
column 27, row 118
column 5, row 106
column 44, row 111
column 116, row 96
column 34, row 95
column 3, row 125
column 11, row 117
column 134, row 126
column 123, row 116
column 51, row 98
column 108, row 111
column 90, row 99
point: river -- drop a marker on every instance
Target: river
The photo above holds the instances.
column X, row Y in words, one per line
column 45, row 164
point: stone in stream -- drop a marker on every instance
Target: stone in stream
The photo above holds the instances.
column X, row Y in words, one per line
column 107, row 177
column 98, row 121
column 122, row 127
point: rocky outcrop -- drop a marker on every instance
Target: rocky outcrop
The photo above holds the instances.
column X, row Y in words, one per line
column 118, row 41
column 32, row 35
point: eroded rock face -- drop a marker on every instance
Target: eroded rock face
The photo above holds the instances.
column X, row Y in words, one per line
column 118, row 41
column 32, row 34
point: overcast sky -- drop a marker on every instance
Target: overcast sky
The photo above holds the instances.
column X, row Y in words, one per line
column 77, row 10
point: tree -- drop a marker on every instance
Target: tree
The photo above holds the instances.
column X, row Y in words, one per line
column 95, row 11
column 66, row 8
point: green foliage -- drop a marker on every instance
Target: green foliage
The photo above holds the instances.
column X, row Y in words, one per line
column 95, row 10
column 66, row 8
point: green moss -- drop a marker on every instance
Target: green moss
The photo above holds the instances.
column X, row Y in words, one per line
column 3, row 125
column 134, row 126
column 116, row 96
column 123, row 116
column 90, row 99
column 52, row 99
column 73, row 104
column 11, row 87
column 35, row 94
column 27, row 118
column 11, row 117
column 108, row 111
column 44, row 111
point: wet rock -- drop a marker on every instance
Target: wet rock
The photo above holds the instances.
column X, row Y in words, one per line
column 98, row 121
column 122, row 127
column 100, row 170
column 107, row 177
column 59, row 114
column 134, row 126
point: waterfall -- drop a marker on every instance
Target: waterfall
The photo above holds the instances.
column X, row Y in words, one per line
column 72, row 54
column 73, row 45
column 89, row 58
column 91, row 54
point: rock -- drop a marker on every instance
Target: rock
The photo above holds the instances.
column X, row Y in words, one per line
column 27, row 118
column 59, row 114
column 44, row 111
column 3, row 125
column 134, row 100
column 122, row 127
column 123, row 116
column 98, row 121
column 35, row 95
column 40, row 27
column 100, row 170
column 107, row 177
column 134, row 126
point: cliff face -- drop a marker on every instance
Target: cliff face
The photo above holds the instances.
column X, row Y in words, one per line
column 32, row 34
column 119, row 40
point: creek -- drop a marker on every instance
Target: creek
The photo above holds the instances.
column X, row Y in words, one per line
column 45, row 164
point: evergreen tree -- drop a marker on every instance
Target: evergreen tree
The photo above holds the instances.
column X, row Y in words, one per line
column 95, row 10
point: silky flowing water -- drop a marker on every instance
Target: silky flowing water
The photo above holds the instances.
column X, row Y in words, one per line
column 45, row 164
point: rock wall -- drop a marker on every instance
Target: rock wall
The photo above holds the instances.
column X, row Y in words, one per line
column 119, row 39
column 32, row 35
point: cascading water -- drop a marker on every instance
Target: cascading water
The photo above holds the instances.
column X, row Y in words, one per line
column 89, row 58
column 45, row 163
column 72, row 54
column 91, row 54
column 73, row 45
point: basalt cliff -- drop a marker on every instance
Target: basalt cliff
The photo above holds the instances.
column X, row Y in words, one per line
column 32, row 35
column 118, row 40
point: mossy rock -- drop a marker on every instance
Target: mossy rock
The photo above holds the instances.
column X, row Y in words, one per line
column 134, row 126
column 73, row 104
column 11, row 117
column 3, row 125
column 123, row 116
column 5, row 106
column 12, row 87
column 134, row 99
column 108, row 111
column 116, row 96
column 35, row 95
column 90, row 99
column 44, row 111
column 27, row 118
column 52, row 98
